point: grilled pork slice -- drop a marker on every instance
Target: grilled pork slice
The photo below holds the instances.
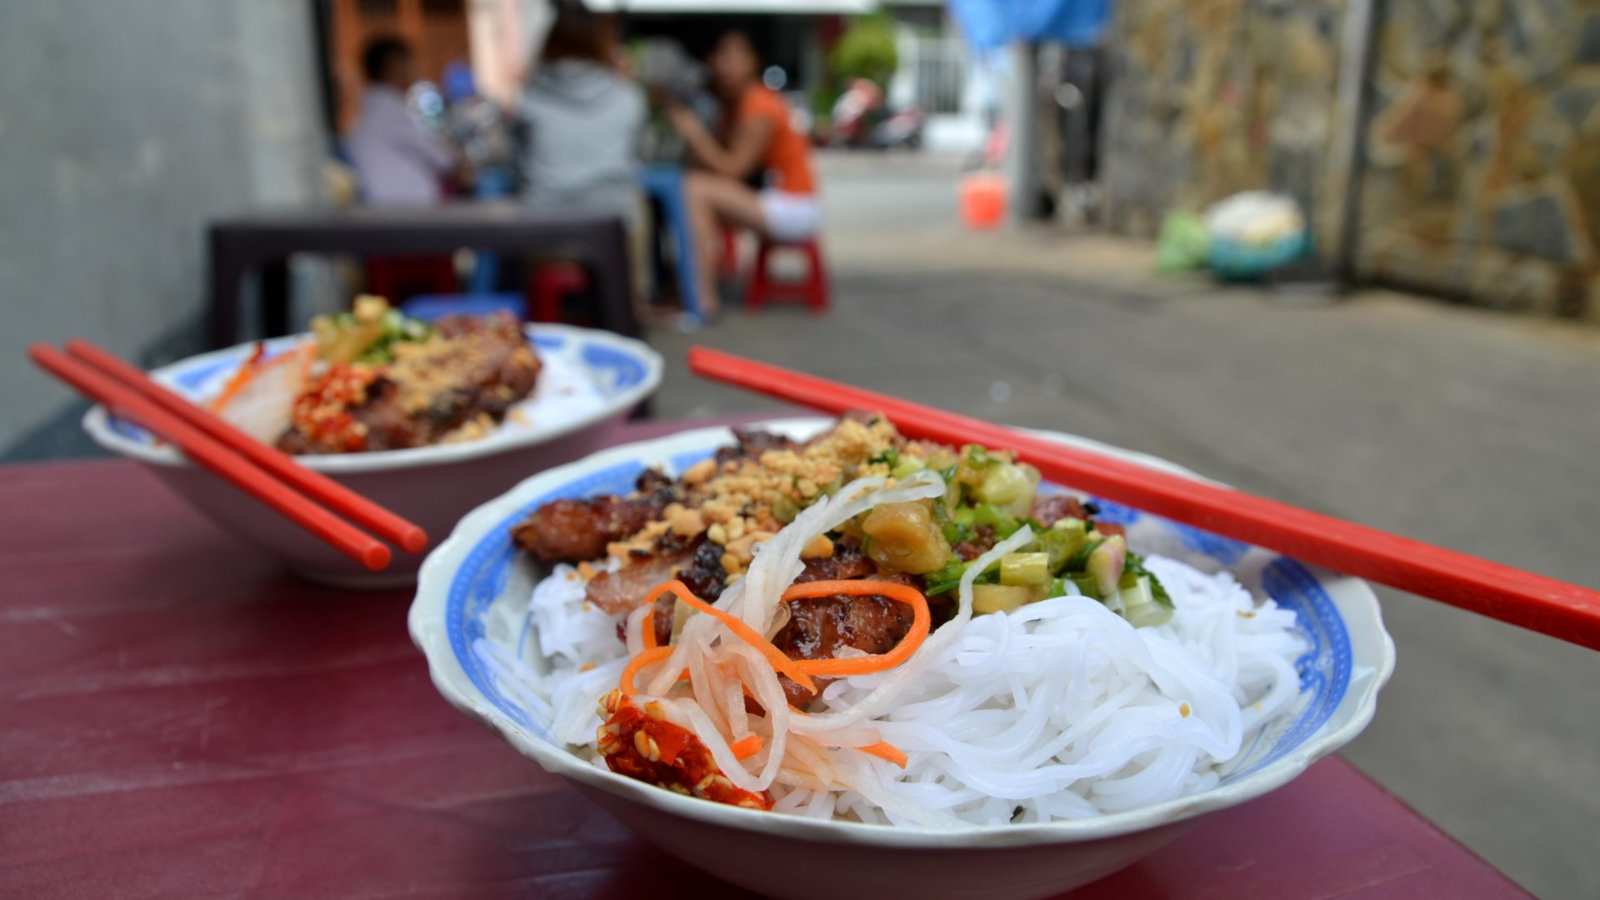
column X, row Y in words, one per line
column 579, row 530
column 456, row 384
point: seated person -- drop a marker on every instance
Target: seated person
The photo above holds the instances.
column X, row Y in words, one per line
column 584, row 120
column 397, row 161
column 759, row 138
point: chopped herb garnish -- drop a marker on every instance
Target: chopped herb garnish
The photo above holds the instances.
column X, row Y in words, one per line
column 1135, row 565
column 944, row 580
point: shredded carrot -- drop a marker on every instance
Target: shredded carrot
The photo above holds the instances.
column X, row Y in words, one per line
column 746, row 747
column 649, row 628
column 240, row 377
column 646, row 658
column 865, row 665
column 886, row 751
column 745, row 633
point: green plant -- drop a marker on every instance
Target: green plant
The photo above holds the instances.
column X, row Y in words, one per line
column 866, row 50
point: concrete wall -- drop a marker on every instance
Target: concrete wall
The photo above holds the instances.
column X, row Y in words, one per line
column 123, row 128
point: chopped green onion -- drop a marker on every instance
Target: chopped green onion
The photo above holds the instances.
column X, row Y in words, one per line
column 1003, row 523
column 976, row 455
column 1140, row 607
column 907, row 466
column 945, row 580
column 1007, row 487
column 990, row 598
column 1025, row 569
column 1080, row 560
column 784, row 509
column 1062, row 544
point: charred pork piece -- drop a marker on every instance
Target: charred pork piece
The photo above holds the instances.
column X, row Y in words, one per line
column 1047, row 510
column 579, row 530
column 750, row 443
column 618, row 593
column 818, row 629
column 468, row 375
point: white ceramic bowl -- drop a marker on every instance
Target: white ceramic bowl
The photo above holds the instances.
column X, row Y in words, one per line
column 589, row 382
column 473, row 591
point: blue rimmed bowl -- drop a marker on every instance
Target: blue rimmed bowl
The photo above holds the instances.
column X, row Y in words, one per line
column 470, row 618
column 589, row 382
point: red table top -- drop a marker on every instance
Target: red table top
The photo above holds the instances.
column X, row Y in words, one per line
column 179, row 718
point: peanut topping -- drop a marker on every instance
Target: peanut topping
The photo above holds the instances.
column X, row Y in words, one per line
column 741, row 502
column 700, row 472
column 819, row 547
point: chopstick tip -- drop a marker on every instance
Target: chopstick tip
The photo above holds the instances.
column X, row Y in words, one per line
column 375, row 557
column 414, row 539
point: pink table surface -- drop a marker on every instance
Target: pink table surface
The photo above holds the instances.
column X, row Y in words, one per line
column 178, row 718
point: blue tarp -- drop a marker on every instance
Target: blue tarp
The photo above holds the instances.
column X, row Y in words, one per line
column 989, row 24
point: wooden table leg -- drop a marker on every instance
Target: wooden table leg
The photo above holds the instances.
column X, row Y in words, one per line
column 225, row 272
column 611, row 277
column 274, row 298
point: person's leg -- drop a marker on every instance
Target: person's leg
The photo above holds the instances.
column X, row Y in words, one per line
column 714, row 201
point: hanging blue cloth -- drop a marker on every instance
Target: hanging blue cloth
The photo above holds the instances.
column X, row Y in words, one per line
column 990, row 24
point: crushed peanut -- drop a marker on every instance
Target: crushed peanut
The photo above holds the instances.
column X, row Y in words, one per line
column 819, row 547
column 700, row 472
column 742, row 502
column 683, row 521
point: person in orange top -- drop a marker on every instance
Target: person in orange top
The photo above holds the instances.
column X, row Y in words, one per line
column 759, row 138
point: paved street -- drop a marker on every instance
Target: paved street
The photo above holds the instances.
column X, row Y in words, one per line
column 1474, row 430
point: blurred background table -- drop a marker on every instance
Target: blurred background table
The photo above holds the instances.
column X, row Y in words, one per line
column 263, row 242
column 183, row 719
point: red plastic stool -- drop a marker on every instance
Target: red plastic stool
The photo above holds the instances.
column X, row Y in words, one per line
column 397, row 277
column 550, row 284
column 812, row 289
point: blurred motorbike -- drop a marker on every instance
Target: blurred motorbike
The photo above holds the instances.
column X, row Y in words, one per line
column 902, row 130
column 853, row 112
column 861, row 119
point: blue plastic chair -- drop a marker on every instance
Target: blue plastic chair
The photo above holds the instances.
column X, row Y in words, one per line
column 665, row 185
column 429, row 307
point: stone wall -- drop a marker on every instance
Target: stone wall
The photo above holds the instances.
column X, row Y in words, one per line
column 1483, row 154
column 1212, row 97
column 1480, row 152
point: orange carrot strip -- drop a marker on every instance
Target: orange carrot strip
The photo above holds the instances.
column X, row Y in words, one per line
column 240, row 377
column 740, row 630
column 649, row 626
column 886, row 751
column 866, row 665
column 746, row 747
column 646, row 658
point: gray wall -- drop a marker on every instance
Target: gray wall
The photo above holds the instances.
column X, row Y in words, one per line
column 123, row 128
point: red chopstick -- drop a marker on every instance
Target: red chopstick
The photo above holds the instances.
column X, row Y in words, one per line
column 1567, row 611
column 319, row 487
column 211, row 453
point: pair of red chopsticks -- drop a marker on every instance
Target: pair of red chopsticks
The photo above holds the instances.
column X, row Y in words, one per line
column 309, row 499
column 1556, row 608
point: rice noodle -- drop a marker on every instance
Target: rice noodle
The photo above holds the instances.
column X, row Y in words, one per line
column 1059, row 709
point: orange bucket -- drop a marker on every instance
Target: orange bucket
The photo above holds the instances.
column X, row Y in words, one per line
column 983, row 200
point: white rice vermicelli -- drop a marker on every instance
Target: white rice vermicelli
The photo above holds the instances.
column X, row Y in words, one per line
column 1059, row 710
